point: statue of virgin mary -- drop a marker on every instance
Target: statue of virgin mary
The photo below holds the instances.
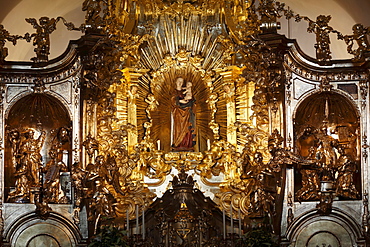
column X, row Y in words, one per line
column 183, row 117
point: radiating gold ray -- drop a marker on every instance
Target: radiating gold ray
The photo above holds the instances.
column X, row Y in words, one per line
column 182, row 47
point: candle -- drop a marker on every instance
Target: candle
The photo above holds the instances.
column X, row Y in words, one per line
column 128, row 224
column 137, row 219
column 224, row 223
column 231, row 220
column 208, row 144
column 240, row 223
column 159, row 144
column 143, row 218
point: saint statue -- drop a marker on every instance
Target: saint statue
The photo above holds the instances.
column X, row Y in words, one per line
column 183, row 117
column 326, row 154
column 30, row 155
column 52, row 187
column 27, row 162
column 346, row 167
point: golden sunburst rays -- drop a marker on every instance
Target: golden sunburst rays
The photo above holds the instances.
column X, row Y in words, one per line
column 184, row 47
column 174, row 36
column 141, row 105
column 221, row 116
column 162, row 90
column 121, row 102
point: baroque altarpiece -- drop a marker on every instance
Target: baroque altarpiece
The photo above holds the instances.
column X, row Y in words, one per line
column 185, row 123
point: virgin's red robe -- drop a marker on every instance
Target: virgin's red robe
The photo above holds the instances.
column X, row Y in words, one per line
column 182, row 127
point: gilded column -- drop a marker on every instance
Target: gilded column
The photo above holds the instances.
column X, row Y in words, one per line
column 230, row 77
column 131, row 77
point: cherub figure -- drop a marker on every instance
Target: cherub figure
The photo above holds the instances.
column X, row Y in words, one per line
column 268, row 11
column 152, row 104
column 93, row 10
column 360, row 34
column 187, row 92
column 322, row 31
column 42, row 37
column 91, row 145
column 229, row 93
column 4, row 35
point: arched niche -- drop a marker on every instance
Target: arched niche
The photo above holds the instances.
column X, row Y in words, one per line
column 327, row 132
column 26, row 120
column 163, row 89
column 30, row 230
column 312, row 229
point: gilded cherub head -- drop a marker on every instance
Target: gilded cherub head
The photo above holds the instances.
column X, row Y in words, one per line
column 322, row 20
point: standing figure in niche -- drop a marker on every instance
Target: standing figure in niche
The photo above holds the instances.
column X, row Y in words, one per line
column 30, row 155
column 102, row 200
column 345, row 186
column 306, row 140
column 22, row 190
column 261, row 200
column 310, row 179
column 78, row 178
column 326, row 154
column 15, row 139
column 27, row 161
column 58, row 145
column 133, row 94
column 53, row 191
column 183, row 117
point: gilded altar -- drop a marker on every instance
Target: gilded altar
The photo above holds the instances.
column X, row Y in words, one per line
column 185, row 123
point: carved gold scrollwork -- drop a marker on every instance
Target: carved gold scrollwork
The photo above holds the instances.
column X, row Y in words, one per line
column 363, row 92
column 365, row 215
column 325, row 84
column 134, row 124
column 114, row 177
column 246, row 177
column 365, row 147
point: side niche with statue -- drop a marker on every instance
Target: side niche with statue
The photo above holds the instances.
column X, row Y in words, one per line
column 38, row 152
column 327, row 135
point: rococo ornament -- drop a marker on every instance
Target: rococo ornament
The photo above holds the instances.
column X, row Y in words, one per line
column 183, row 128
